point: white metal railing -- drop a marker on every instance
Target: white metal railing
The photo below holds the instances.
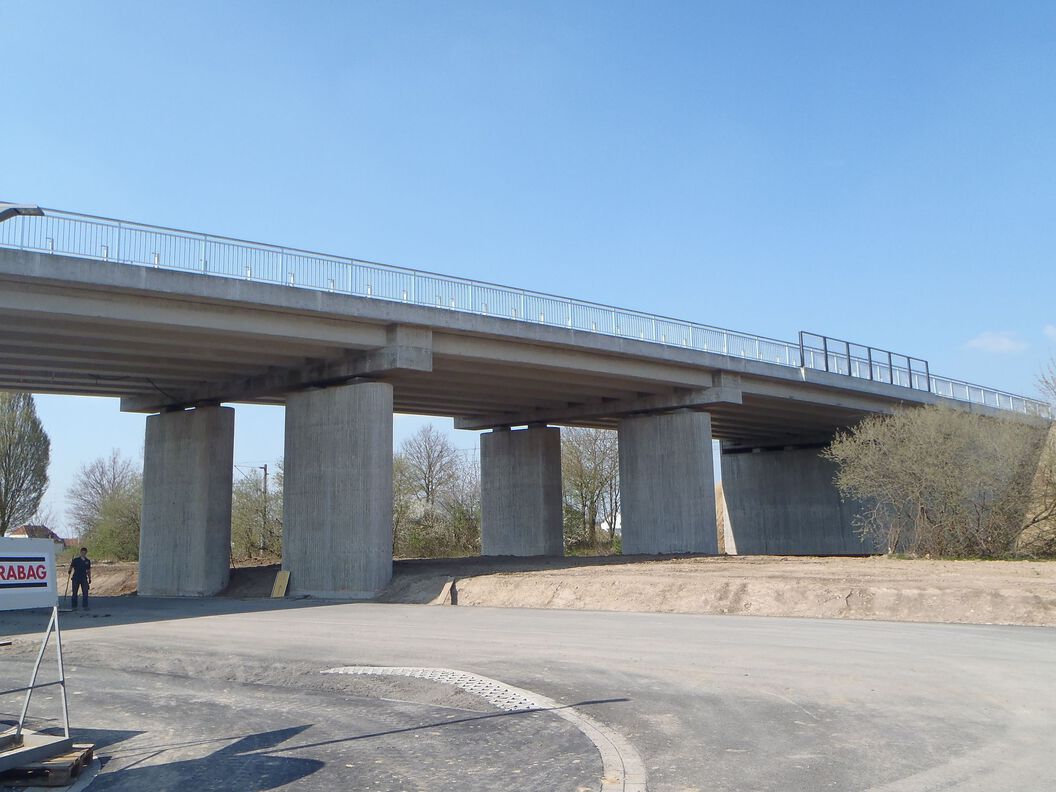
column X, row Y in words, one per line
column 88, row 236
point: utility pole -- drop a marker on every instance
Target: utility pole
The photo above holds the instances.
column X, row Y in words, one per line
column 264, row 511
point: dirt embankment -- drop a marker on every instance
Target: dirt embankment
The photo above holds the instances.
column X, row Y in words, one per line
column 971, row 592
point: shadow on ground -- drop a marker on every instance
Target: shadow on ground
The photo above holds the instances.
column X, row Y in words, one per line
column 245, row 764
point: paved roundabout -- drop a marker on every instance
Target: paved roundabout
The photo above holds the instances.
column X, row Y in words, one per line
column 216, row 694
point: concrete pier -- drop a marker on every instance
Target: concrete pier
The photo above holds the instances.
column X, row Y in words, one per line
column 185, row 534
column 667, row 484
column 784, row 502
column 520, row 479
column 337, row 499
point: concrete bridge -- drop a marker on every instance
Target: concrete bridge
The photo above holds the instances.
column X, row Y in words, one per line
column 178, row 324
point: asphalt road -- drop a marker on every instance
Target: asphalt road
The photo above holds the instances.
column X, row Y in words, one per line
column 709, row 702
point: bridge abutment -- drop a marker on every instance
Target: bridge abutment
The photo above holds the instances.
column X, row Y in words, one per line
column 785, row 502
column 337, row 496
column 520, row 479
column 185, row 533
column 667, row 484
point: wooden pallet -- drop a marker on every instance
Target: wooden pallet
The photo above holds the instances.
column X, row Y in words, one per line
column 55, row 772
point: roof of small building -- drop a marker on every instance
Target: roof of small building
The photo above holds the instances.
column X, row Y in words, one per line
column 36, row 532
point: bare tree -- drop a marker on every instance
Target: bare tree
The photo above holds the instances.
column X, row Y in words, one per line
column 403, row 501
column 104, row 506
column 590, row 472
column 436, row 498
column 96, row 483
column 1047, row 381
column 432, row 463
column 944, row 482
column 25, row 451
column 256, row 513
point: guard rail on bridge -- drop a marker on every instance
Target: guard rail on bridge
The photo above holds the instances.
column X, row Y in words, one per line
column 88, row 236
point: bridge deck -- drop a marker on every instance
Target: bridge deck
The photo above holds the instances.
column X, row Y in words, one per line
column 82, row 326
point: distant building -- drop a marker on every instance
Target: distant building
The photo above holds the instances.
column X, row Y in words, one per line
column 40, row 532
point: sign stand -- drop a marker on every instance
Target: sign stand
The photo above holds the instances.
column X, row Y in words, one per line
column 27, row 579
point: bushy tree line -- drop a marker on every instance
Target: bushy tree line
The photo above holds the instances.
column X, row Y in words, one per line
column 943, row 482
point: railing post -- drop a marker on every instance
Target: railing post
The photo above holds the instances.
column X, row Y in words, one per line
column 802, row 351
column 909, row 368
column 847, row 345
column 927, row 375
column 869, row 355
column 890, row 369
column 825, row 350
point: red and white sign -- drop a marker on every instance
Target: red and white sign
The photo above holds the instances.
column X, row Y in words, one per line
column 27, row 574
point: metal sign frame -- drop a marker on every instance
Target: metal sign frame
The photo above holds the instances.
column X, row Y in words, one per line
column 22, row 554
column 53, row 626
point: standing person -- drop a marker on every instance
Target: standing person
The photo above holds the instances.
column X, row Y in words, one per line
column 81, row 570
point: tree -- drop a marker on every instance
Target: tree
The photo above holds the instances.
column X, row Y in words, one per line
column 940, row 481
column 115, row 534
column 436, row 498
column 105, row 505
column 432, row 463
column 256, row 514
column 461, row 509
column 95, row 484
column 1047, row 381
column 25, row 452
column 590, row 472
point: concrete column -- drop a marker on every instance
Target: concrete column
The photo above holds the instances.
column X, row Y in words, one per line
column 520, row 492
column 185, row 533
column 667, row 484
column 337, row 495
column 785, row 503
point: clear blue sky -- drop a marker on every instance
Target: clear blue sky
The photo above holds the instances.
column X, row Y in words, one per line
column 884, row 172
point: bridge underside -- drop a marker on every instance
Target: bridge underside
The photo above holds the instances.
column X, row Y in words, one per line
column 158, row 350
column 174, row 344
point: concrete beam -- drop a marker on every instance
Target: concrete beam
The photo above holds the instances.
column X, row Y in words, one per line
column 499, row 353
column 185, row 535
column 667, row 484
column 696, row 399
column 520, row 493
column 395, row 357
column 337, row 495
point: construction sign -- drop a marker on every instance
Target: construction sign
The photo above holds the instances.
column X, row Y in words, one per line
column 27, row 574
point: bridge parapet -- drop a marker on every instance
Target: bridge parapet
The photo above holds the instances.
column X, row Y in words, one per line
column 88, row 236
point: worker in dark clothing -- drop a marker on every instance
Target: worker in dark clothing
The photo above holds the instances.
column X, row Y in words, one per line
column 81, row 572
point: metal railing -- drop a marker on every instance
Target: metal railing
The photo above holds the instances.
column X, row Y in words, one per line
column 865, row 362
column 88, row 236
